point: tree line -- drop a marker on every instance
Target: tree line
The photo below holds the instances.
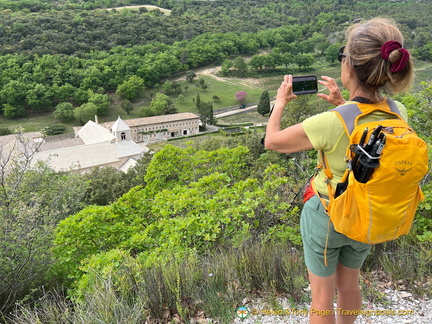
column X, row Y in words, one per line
column 42, row 5
column 77, row 31
column 40, row 82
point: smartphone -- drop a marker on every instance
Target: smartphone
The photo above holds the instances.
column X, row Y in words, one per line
column 305, row 84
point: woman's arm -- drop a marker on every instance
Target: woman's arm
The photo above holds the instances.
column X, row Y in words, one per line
column 291, row 139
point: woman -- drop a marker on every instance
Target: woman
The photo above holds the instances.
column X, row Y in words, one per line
column 372, row 60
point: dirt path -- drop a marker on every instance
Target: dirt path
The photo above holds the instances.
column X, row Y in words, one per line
column 213, row 72
column 425, row 67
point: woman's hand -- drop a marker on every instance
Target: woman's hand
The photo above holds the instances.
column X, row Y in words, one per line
column 335, row 96
column 285, row 93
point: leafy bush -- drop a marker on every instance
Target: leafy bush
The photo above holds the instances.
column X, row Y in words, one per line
column 232, row 131
column 5, row 131
column 54, row 130
column 188, row 206
column 32, row 203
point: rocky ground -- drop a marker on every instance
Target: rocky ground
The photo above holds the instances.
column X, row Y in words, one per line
column 399, row 307
column 394, row 306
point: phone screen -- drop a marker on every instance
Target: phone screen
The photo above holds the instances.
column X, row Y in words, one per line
column 305, row 84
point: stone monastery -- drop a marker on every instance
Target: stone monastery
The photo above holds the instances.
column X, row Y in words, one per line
column 119, row 144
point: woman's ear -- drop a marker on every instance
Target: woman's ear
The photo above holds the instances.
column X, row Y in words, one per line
column 350, row 69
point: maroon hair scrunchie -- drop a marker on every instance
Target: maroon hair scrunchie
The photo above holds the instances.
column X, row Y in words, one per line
column 389, row 47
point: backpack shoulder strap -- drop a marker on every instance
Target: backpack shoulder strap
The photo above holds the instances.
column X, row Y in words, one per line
column 349, row 114
column 393, row 107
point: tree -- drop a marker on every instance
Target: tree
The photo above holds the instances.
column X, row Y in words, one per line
column 5, row 131
column 98, row 192
column 82, row 96
column 162, row 105
column 286, row 59
column 206, row 113
column 181, row 98
column 126, row 105
column 167, row 87
column 241, row 97
column 240, row 66
column 202, row 84
column 190, row 75
column 273, row 59
column 14, row 93
column 13, row 111
column 142, row 10
column 264, row 103
column 183, row 207
column 176, row 88
column 64, row 111
column 331, row 53
column 131, row 88
column 63, row 93
column 198, row 101
column 39, row 98
column 257, row 61
column 85, row 112
column 304, row 60
column 205, row 110
column 226, row 66
column 101, row 101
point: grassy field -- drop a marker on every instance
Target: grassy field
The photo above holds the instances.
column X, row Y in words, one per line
column 224, row 90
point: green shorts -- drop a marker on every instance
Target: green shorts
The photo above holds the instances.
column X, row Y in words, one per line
column 314, row 224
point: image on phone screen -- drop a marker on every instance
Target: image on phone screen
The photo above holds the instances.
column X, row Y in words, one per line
column 305, row 84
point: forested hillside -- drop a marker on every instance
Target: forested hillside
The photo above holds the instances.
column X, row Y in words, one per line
column 198, row 227
column 65, row 51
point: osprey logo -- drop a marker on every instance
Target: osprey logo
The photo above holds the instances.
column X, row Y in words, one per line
column 403, row 166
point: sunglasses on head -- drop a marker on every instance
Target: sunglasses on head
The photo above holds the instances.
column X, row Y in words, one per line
column 341, row 54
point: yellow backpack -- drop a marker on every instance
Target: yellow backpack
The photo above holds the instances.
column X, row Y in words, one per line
column 381, row 207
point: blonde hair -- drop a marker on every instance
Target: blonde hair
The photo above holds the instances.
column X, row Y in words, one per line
column 363, row 49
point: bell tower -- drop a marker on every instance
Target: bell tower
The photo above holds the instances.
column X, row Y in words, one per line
column 121, row 131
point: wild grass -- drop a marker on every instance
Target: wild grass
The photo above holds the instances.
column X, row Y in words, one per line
column 213, row 286
column 198, row 287
column 409, row 265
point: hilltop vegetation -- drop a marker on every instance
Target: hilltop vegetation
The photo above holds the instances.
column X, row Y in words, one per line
column 193, row 230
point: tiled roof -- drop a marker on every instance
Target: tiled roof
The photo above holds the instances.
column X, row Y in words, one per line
column 157, row 119
column 120, row 126
column 85, row 156
column 92, row 133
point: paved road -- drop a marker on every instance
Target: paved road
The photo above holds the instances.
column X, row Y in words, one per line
column 235, row 112
column 238, row 111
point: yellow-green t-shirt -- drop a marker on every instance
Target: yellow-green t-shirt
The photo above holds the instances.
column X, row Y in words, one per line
column 326, row 132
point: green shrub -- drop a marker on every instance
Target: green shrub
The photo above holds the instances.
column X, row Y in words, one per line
column 5, row 131
column 54, row 130
column 193, row 209
column 33, row 202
